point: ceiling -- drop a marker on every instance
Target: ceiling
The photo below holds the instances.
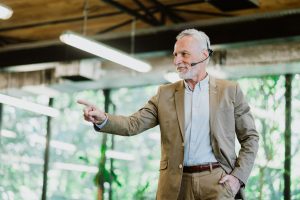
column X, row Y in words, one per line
column 31, row 35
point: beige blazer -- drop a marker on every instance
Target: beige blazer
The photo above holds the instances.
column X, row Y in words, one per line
column 229, row 116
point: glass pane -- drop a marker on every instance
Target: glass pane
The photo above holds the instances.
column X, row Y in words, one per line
column 22, row 152
column 138, row 177
column 74, row 149
column 266, row 98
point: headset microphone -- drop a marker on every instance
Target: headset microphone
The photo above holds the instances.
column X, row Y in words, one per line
column 210, row 52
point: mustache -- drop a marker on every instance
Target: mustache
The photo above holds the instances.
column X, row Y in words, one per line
column 180, row 67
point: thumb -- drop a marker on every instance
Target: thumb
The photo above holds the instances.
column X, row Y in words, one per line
column 224, row 179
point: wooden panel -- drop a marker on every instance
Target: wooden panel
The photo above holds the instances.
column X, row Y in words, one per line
column 40, row 20
column 43, row 20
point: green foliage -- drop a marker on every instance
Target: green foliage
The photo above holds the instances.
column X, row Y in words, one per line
column 85, row 159
column 21, row 169
column 101, row 177
column 104, row 175
column 266, row 97
column 141, row 191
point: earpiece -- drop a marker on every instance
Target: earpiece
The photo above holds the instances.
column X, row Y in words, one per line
column 210, row 52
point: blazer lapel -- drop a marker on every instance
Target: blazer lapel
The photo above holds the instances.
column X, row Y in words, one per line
column 179, row 103
column 213, row 102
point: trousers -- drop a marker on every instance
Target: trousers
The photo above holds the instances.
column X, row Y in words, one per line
column 205, row 186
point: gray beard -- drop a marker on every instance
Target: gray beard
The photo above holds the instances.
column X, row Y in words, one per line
column 189, row 74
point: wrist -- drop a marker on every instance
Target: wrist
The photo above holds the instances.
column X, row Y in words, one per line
column 100, row 120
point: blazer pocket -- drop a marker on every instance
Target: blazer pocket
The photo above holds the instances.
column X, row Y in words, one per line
column 163, row 165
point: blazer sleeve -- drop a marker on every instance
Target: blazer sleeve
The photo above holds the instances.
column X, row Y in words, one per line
column 145, row 118
column 247, row 136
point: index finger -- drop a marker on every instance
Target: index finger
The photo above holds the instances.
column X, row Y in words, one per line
column 84, row 102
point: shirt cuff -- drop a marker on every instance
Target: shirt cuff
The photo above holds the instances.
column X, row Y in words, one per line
column 100, row 126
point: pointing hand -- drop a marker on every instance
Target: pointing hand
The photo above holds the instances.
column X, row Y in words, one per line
column 91, row 113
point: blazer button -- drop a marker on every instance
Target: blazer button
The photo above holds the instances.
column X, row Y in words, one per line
column 182, row 144
column 180, row 166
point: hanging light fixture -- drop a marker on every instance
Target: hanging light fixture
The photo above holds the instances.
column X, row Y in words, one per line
column 26, row 105
column 104, row 51
column 5, row 12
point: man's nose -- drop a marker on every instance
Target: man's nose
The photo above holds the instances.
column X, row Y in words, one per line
column 177, row 60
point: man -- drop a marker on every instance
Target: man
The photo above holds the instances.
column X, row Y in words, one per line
column 199, row 117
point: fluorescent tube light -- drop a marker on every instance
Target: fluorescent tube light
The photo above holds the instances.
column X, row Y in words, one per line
column 53, row 143
column 26, row 105
column 75, row 167
column 119, row 155
column 9, row 158
column 104, row 51
column 5, row 12
column 7, row 133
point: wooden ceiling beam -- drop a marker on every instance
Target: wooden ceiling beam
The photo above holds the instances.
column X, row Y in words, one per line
column 11, row 40
column 164, row 9
column 115, row 26
column 146, row 11
column 232, row 30
column 153, row 9
column 133, row 13
column 200, row 12
column 184, row 3
column 54, row 22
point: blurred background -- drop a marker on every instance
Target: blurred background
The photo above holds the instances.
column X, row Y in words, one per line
column 47, row 151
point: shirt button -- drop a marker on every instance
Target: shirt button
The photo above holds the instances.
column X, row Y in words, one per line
column 180, row 166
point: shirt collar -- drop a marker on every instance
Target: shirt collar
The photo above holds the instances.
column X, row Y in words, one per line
column 204, row 82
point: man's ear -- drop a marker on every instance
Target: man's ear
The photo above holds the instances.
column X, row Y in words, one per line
column 206, row 53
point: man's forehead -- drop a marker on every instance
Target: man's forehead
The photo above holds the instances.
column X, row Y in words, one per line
column 179, row 47
column 186, row 38
column 181, row 51
column 184, row 45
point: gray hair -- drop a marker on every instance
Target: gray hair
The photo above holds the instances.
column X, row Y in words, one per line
column 198, row 35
